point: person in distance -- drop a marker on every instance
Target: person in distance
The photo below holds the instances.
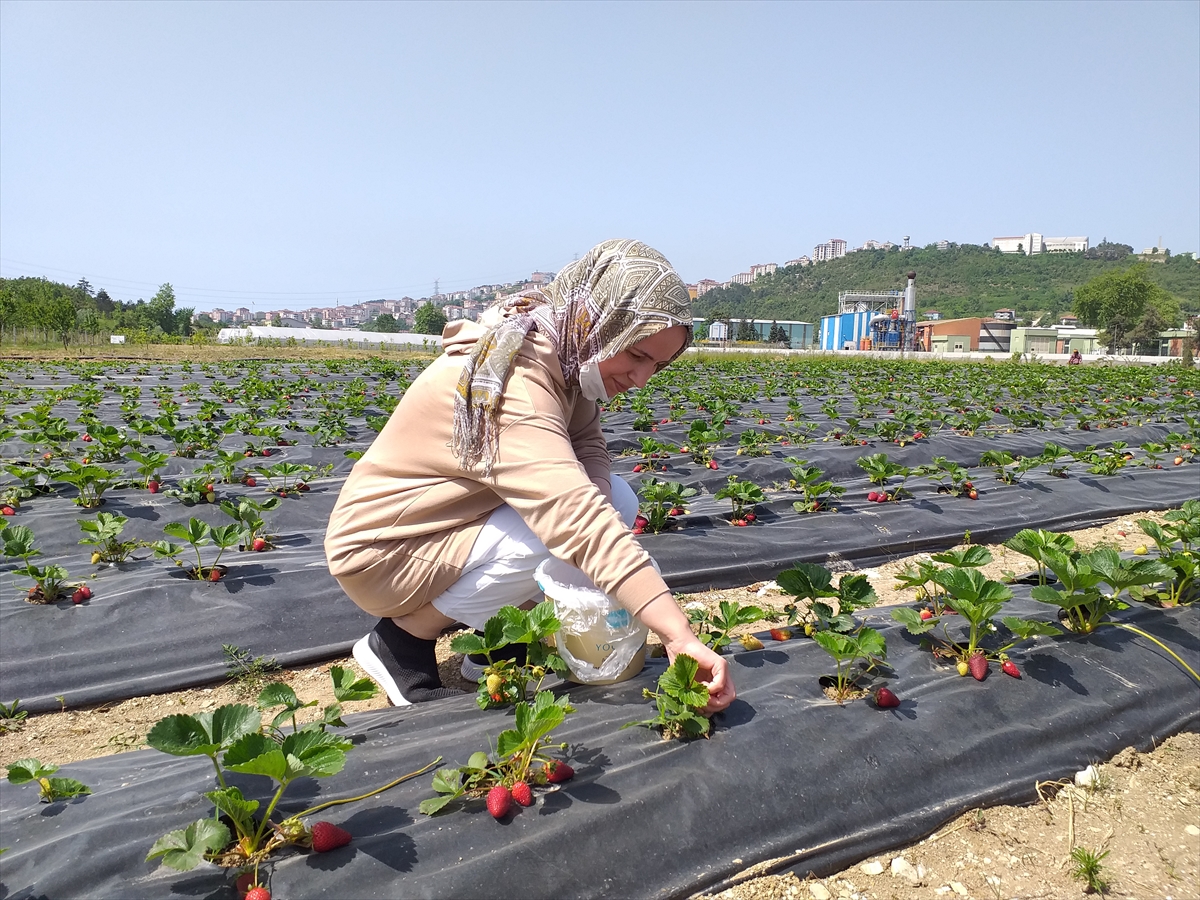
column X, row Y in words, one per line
column 494, row 460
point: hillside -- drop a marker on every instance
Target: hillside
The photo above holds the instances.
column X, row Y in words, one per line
column 966, row 280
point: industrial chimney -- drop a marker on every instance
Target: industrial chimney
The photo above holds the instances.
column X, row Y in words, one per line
column 910, row 299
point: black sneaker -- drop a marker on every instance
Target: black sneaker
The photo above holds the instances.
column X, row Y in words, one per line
column 403, row 665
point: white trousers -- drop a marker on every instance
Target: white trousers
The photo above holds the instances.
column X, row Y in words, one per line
column 499, row 569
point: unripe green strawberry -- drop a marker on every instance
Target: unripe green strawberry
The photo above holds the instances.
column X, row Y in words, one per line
column 750, row 642
column 978, row 666
column 963, row 668
column 494, row 683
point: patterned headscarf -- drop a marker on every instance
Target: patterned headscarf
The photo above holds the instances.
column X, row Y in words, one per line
column 619, row 293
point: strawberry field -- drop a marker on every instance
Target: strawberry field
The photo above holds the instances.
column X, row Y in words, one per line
column 162, row 519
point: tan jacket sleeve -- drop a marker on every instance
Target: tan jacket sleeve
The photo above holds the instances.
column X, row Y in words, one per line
column 538, row 472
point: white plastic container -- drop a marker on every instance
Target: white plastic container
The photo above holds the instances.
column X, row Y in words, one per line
column 600, row 641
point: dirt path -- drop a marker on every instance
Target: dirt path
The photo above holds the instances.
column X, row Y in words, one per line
column 1144, row 810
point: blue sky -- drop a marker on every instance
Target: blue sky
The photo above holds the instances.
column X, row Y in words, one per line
column 296, row 154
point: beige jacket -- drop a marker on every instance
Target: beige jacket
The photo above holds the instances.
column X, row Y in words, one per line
column 408, row 516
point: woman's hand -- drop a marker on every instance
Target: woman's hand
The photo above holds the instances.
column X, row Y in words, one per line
column 714, row 673
column 664, row 617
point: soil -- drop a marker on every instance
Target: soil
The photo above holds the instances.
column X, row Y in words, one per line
column 1142, row 809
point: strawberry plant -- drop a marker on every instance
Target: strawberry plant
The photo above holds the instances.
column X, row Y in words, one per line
column 91, row 481
column 198, row 534
column 235, row 739
column 753, row 443
column 104, row 533
column 149, row 464
column 286, row 478
column 861, row 650
column 192, row 490
column 879, row 469
column 224, row 464
column 715, row 628
column 1034, row 543
column 11, row 718
column 248, row 514
column 49, row 582
column 743, row 495
column 1055, row 458
column 702, row 437
column 679, row 701
column 977, row 599
column 1001, row 460
column 515, row 759
column 808, row 480
column 813, row 583
column 662, row 501
column 1080, row 575
column 951, row 478
column 1182, row 527
column 503, row 681
column 24, row 771
column 112, row 443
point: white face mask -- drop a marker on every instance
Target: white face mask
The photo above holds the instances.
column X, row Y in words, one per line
column 592, row 383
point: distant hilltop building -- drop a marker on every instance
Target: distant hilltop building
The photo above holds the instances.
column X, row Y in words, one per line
column 1033, row 243
column 834, row 248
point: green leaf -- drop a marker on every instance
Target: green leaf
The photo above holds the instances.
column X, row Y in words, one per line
column 29, row 769
column 184, row 849
column 228, row 723
column 231, row 802
column 182, row 735
column 493, row 633
column 478, row 760
column 1027, row 628
column 806, row 580
column 346, row 687
column 543, row 621
column 974, row 555
column 508, row 742
column 467, row 642
column 278, row 694
column 256, row 754
column 839, row 646
column 448, row 781
column 871, row 643
column 434, row 805
column 679, row 676
column 912, row 620
column 855, row 592
column 318, row 754
column 64, row 789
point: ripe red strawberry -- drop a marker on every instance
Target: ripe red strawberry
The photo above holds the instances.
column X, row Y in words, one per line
column 81, row 593
column 638, row 529
column 712, row 463
column 87, row 438
column 750, row 517
column 259, row 545
column 638, row 468
column 873, row 496
column 781, row 634
column 522, row 793
column 499, row 801
column 152, row 487
column 326, row 836
column 8, row 510
column 249, row 481
column 1008, row 667
column 676, row 511
column 885, row 699
column 258, row 892
column 927, row 614
column 640, row 521
column 558, row 771
column 978, row 666
column 214, row 575
column 249, row 453
column 973, row 494
column 301, row 486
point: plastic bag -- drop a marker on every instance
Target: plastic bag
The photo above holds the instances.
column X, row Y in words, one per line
column 607, row 633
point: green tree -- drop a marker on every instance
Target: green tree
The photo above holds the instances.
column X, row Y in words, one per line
column 1118, row 293
column 161, row 309
column 429, row 319
column 746, row 331
column 1145, row 335
column 58, row 318
column 384, row 322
